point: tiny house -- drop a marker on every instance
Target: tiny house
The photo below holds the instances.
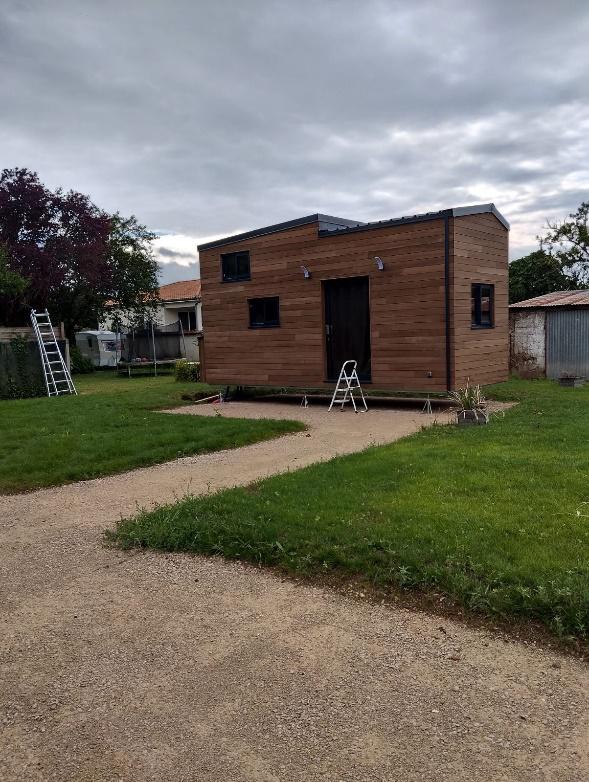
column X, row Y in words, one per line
column 419, row 302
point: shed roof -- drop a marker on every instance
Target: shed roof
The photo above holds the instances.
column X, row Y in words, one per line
column 555, row 299
column 184, row 290
column 328, row 225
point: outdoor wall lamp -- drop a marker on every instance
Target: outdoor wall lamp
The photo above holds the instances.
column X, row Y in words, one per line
column 379, row 263
column 306, row 272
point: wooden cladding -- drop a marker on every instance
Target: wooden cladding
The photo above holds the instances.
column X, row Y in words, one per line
column 480, row 248
column 407, row 311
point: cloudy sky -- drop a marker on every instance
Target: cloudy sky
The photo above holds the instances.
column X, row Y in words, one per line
column 210, row 117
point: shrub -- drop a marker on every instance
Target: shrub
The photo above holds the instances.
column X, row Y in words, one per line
column 80, row 365
column 187, row 371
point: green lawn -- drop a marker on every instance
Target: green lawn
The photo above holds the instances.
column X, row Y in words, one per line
column 110, row 427
column 492, row 516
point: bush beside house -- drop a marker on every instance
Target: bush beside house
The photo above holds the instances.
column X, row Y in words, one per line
column 187, row 371
column 79, row 364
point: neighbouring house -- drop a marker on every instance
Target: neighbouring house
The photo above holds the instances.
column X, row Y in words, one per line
column 178, row 301
column 419, row 302
column 549, row 335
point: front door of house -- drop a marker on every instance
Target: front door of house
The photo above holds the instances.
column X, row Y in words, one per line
column 347, row 325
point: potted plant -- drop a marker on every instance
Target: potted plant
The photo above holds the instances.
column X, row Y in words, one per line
column 471, row 405
column 571, row 381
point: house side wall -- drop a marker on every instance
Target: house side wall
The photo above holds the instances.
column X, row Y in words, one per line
column 164, row 314
column 169, row 312
column 527, row 342
column 406, row 306
column 479, row 253
column 113, row 315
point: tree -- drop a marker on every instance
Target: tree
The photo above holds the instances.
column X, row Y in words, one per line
column 74, row 257
column 536, row 274
column 568, row 242
column 12, row 285
column 135, row 289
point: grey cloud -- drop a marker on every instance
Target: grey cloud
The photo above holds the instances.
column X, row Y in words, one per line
column 208, row 118
column 173, row 272
column 167, row 253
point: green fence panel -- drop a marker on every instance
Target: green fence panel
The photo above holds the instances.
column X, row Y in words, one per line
column 21, row 373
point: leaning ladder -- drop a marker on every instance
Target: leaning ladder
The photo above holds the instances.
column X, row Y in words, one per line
column 347, row 383
column 57, row 376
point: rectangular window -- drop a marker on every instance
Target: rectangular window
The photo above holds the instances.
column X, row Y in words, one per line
column 482, row 306
column 188, row 320
column 235, row 266
column 264, row 313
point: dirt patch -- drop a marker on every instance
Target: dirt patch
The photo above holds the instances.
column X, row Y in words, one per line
column 145, row 666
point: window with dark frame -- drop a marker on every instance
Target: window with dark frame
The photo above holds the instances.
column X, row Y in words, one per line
column 235, row 266
column 482, row 306
column 264, row 313
column 188, row 320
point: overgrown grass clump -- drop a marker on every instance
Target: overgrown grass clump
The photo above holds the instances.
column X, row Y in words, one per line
column 493, row 516
column 112, row 426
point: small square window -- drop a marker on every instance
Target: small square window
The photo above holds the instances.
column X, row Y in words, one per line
column 482, row 306
column 264, row 313
column 235, row 266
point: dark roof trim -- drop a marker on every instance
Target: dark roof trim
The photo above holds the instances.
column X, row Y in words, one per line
column 328, row 226
column 180, row 301
column 423, row 218
column 461, row 211
column 324, row 222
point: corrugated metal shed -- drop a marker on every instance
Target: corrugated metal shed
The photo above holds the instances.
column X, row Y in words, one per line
column 567, row 343
column 556, row 299
column 550, row 335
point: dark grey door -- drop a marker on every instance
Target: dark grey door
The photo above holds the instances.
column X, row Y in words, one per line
column 347, row 325
column 567, row 343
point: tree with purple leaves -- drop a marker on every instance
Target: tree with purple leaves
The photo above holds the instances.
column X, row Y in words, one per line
column 62, row 253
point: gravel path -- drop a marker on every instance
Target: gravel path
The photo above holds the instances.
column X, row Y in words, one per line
column 143, row 666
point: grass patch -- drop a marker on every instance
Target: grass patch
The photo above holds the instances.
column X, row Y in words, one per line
column 492, row 516
column 110, row 427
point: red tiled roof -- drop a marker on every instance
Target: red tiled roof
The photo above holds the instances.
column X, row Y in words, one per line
column 180, row 291
column 557, row 299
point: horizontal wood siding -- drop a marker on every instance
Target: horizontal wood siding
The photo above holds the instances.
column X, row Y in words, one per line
column 479, row 254
column 407, row 307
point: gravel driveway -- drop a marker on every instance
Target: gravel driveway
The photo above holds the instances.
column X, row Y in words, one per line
column 144, row 666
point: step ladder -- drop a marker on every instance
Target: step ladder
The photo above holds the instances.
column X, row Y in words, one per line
column 347, row 383
column 57, row 376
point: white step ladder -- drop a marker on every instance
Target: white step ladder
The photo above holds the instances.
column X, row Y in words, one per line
column 347, row 383
column 57, row 376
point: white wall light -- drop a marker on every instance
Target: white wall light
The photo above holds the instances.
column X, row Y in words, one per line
column 379, row 263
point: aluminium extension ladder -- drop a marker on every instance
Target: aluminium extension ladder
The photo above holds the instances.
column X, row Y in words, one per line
column 347, row 383
column 57, row 376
